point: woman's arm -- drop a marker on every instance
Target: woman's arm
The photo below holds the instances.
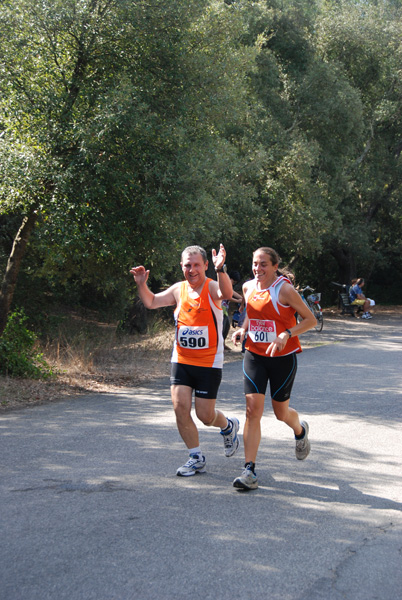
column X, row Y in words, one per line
column 289, row 297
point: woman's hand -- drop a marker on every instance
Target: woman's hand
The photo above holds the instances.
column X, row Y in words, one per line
column 278, row 344
column 238, row 336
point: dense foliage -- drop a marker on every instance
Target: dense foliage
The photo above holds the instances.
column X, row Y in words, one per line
column 130, row 130
column 19, row 356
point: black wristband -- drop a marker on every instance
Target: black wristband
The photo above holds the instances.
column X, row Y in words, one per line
column 288, row 332
column 223, row 269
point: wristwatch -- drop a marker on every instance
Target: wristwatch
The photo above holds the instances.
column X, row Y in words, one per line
column 222, row 269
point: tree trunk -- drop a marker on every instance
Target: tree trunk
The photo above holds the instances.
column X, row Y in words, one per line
column 13, row 266
column 346, row 264
column 136, row 318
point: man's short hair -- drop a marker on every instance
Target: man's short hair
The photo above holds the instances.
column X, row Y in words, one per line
column 195, row 250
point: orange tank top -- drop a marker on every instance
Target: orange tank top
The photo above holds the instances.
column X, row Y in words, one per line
column 268, row 318
column 198, row 339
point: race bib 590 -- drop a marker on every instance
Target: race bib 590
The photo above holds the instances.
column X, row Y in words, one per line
column 195, row 338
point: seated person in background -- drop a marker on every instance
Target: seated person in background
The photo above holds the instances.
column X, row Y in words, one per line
column 357, row 298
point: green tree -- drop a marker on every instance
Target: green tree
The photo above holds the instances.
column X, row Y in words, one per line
column 328, row 178
column 308, row 126
column 364, row 40
column 115, row 143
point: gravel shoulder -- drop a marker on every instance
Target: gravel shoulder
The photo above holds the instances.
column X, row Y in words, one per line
column 150, row 362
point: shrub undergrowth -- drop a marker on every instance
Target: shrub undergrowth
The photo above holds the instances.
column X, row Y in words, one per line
column 18, row 354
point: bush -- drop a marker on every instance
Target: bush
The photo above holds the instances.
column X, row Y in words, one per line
column 18, row 355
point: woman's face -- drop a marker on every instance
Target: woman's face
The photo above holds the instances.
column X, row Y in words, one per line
column 263, row 269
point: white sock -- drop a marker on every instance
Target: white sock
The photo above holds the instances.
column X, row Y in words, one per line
column 228, row 425
column 195, row 451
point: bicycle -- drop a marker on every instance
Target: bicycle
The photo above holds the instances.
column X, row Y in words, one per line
column 312, row 301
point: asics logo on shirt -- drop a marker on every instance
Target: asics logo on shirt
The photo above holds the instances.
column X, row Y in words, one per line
column 192, row 332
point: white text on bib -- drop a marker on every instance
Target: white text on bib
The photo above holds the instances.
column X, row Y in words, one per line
column 262, row 332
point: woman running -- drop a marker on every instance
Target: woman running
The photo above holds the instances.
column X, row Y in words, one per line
column 272, row 344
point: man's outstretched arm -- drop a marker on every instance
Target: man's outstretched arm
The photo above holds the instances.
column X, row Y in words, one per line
column 148, row 298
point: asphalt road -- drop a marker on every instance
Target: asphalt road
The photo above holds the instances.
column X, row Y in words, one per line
column 91, row 507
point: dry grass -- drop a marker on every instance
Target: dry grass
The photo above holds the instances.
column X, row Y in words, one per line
column 90, row 356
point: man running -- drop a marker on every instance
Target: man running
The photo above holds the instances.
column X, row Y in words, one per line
column 197, row 357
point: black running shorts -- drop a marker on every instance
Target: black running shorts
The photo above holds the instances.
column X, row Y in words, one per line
column 205, row 381
column 280, row 371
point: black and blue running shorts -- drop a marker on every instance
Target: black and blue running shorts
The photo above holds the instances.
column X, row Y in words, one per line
column 280, row 371
column 205, row 381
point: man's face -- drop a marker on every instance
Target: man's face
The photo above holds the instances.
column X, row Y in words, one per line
column 194, row 268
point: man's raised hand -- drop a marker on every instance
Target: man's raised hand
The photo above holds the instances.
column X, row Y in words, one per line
column 219, row 259
column 140, row 274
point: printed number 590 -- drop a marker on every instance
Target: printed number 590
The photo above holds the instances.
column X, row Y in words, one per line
column 192, row 342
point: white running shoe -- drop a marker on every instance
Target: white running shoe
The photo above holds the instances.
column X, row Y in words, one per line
column 247, row 480
column 303, row 446
column 195, row 464
column 231, row 440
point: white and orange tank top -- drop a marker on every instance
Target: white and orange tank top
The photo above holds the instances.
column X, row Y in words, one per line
column 198, row 339
column 268, row 318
